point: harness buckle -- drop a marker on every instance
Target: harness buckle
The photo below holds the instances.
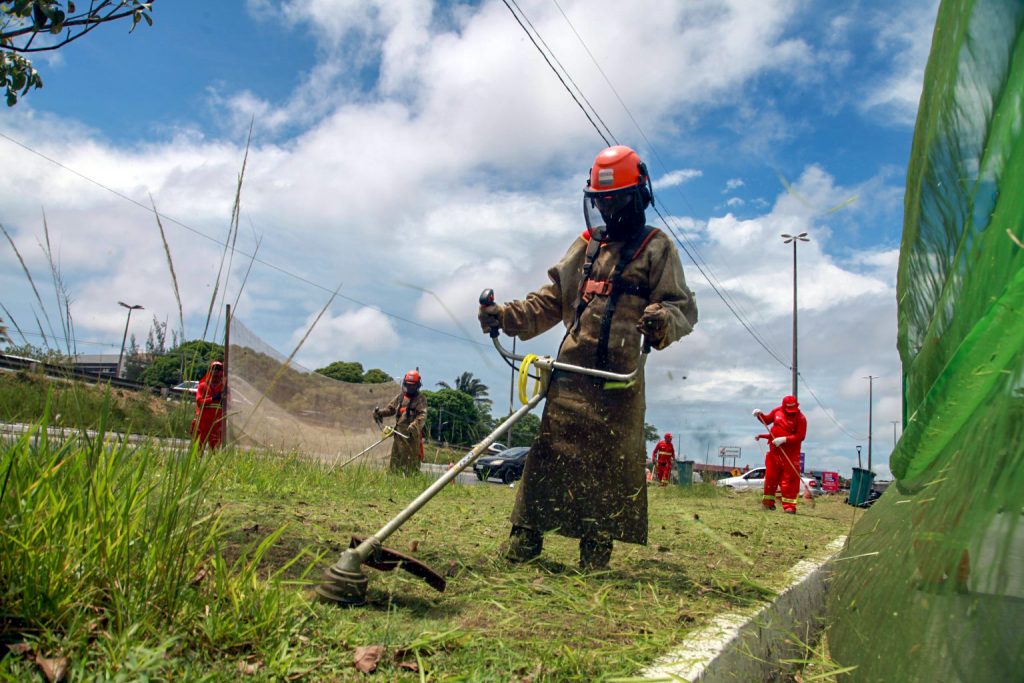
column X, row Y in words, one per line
column 592, row 288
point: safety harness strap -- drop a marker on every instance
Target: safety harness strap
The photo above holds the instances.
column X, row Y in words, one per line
column 629, row 251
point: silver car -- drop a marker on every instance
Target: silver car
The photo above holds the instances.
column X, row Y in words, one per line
column 754, row 480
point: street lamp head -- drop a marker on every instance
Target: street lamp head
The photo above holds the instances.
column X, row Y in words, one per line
column 133, row 307
column 787, row 238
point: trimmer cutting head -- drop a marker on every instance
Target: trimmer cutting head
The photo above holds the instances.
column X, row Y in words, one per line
column 345, row 584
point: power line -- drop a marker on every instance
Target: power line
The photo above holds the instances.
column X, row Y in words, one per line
column 555, row 71
column 216, row 241
column 827, row 412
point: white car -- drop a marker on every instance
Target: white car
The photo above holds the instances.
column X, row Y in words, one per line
column 754, row 481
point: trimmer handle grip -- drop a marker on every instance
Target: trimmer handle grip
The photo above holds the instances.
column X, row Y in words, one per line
column 487, row 299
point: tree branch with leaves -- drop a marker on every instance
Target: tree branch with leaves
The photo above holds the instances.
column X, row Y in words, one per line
column 28, row 26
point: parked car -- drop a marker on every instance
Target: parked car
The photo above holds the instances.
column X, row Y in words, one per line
column 754, row 481
column 497, row 447
column 186, row 387
column 507, row 465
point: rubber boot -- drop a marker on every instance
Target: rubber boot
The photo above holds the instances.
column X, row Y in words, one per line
column 524, row 544
column 595, row 551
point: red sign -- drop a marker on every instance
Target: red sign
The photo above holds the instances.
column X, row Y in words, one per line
column 830, row 481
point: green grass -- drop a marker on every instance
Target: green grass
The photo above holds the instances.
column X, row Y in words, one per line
column 24, row 396
column 138, row 561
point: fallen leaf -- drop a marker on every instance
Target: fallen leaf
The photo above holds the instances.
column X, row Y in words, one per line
column 738, row 533
column 408, row 666
column 251, row 529
column 414, row 546
column 55, row 669
column 20, row 648
column 200, row 575
column 366, row 658
column 249, row 668
column 453, row 569
column 696, row 516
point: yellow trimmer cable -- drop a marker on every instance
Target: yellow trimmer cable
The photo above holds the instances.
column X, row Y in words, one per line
column 524, row 369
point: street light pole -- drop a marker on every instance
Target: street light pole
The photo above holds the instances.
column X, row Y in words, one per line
column 894, row 423
column 120, row 358
column 802, row 237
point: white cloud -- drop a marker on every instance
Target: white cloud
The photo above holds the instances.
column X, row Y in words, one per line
column 733, row 184
column 677, row 177
column 734, row 201
column 346, row 336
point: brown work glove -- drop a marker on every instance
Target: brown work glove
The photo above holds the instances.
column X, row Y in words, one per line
column 490, row 317
column 653, row 323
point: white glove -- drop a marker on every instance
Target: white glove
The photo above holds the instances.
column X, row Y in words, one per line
column 757, row 412
column 778, row 441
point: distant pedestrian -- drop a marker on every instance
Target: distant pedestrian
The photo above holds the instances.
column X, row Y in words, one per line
column 663, row 456
column 208, row 425
column 410, row 411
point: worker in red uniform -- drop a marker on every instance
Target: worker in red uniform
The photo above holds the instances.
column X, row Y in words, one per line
column 663, row 456
column 208, row 426
column 787, row 427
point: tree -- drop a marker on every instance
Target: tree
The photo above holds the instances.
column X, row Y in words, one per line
column 376, row 376
column 651, row 433
column 188, row 361
column 22, row 22
column 468, row 384
column 344, row 371
column 525, row 431
column 452, row 416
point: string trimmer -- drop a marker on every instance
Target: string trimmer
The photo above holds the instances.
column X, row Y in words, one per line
column 344, row 583
column 386, row 431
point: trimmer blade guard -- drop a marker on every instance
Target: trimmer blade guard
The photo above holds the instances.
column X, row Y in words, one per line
column 386, row 559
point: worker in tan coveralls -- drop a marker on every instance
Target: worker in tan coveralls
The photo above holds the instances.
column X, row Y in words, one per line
column 410, row 411
column 585, row 474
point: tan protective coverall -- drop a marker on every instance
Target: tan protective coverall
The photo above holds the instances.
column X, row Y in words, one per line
column 585, row 473
column 412, row 415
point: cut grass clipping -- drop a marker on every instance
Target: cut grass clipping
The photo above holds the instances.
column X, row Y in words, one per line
column 144, row 561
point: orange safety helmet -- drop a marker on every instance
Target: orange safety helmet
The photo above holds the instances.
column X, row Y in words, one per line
column 668, row 437
column 412, row 381
column 790, row 404
column 619, row 184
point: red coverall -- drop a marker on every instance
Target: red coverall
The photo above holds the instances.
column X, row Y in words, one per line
column 782, row 464
column 663, row 456
column 208, row 425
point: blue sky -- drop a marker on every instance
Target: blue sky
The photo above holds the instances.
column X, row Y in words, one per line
column 428, row 144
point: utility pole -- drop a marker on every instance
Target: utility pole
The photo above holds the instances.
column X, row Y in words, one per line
column 802, row 237
column 871, row 384
column 120, row 358
column 894, row 423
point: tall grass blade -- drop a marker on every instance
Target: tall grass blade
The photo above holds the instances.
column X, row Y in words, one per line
column 32, row 282
column 170, row 266
column 229, row 243
column 59, row 289
column 14, row 322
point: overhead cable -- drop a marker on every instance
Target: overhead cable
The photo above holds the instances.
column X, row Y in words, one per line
column 283, row 271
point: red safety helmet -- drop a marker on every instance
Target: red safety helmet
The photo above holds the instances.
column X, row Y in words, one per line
column 790, row 404
column 216, row 365
column 618, row 181
column 412, row 378
column 668, row 437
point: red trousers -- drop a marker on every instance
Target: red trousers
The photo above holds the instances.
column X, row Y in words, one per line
column 664, row 470
column 781, row 479
column 208, row 427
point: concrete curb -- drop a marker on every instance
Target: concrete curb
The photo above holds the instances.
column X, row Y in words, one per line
column 747, row 646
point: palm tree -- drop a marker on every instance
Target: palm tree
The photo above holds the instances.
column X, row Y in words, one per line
column 468, row 384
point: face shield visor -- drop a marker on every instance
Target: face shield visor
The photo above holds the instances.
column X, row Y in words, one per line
column 601, row 208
